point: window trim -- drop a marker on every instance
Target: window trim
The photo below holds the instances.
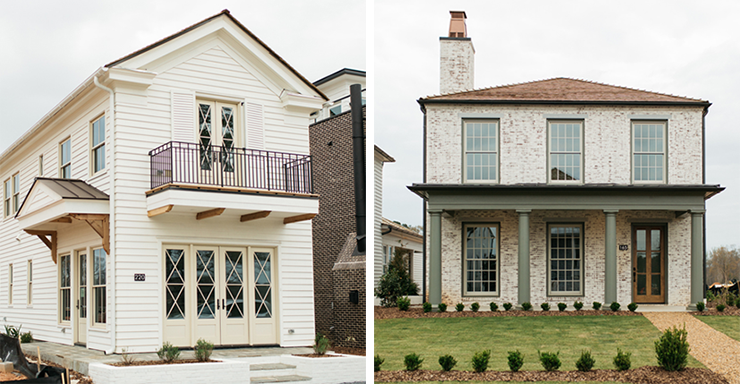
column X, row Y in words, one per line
column 61, row 157
column 665, row 150
column 7, row 200
column 93, row 288
column 94, row 147
column 464, row 269
column 463, row 171
column 16, row 185
column 582, row 150
column 566, row 223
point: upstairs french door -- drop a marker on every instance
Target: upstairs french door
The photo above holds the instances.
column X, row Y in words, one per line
column 648, row 264
column 217, row 138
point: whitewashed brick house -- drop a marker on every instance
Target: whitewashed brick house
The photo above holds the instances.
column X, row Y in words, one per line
column 167, row 198
column 561, row 190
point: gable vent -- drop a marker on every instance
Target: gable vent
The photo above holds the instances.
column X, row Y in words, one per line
column 255, row 126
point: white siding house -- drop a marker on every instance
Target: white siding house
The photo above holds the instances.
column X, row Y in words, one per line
column 379, row 158
column 189, row 213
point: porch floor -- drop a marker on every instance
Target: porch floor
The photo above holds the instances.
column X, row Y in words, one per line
column 77, row 358
column 646, row 308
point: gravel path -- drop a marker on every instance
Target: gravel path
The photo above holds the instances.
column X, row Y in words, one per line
column 712, row 348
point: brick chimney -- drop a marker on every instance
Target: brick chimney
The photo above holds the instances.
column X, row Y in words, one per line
column 456, row 56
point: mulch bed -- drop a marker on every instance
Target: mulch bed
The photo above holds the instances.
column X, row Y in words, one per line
column 645, row 375
column 415, row 313
column 711, row 310
column 349, row 351
column 161, row 362
column 74, row 375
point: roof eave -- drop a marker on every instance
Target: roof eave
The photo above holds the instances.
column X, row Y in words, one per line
column 704, row 104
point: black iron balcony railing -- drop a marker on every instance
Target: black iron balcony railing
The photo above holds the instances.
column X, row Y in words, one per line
column 189, row 163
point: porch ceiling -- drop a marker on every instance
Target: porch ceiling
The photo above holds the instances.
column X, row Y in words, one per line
column 453, row 197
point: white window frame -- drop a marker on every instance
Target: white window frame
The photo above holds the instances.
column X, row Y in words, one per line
column 664, row 152
column 41, row 165
column 495, row 151
column 62, row 164
column 550, row 152
column 581, row 291
column 10, row 284
column 7, row 197
column 61, row 289
column 94, row 147
column 16, row 192
column 497, row 291
column 29, row 283
column 96, row 286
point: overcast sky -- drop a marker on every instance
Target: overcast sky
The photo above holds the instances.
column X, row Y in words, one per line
column 48, row 48
column 683, row 48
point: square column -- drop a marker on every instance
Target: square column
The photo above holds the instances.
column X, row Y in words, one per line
column 610, row 257
column 697, row 257
column 435, row 262
column 523, row 268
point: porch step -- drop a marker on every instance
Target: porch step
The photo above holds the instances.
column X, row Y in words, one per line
column 270, row 367
column 279, row 379
column 661, row 308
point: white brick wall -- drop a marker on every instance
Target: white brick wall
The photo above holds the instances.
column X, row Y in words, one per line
column 456, row 65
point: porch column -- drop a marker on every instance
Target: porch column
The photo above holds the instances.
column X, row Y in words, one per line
column 523, row 255
column 697, row 257
column 435, row 264
column 610, row 257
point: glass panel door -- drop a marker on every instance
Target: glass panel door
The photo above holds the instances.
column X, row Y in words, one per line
column 205, row 289
column 81, row 300
column 648, row 265
column 262, row 285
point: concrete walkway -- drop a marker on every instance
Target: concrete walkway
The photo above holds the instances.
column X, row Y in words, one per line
column 714, row 349
column 77, row 358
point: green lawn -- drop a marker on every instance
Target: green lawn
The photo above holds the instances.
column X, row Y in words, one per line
column 509, row 382
column 729, row 325
column 461, row 337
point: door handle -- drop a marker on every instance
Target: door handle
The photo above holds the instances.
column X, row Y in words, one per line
column 223, row 303
column 217, row 303
column 634, row 274
column 78, row 303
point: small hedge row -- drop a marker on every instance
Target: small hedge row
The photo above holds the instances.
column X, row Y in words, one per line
column 527, row 306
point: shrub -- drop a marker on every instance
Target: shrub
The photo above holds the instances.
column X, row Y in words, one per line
column 544, row 306
column 480, row 360
column 459, row 307
column 614, row 306
column 203, row 350
column 632, row 307
column 494, row 307
column 412, row 362
column 475, row 307
column 578, row 305
column 168, row 352
column 700, row 306
column 596, row 305
column 516, row 360
column 26, row 337
column 442, row 307
column 395, row 282
column 721, row 307
column 710, row 296
column 126, row 358
column 527, row 306
column 403, row 303
column 585, row 362
column 321, row 344
column 507, row 306
column 378, row 362
column 427, row 307
column 672, row 349
column 550, row 361
column 562, row 306
column 622, row 360
column 447, row 362
column 737, row 303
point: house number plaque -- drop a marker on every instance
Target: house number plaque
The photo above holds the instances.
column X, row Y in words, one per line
column 623, row 247
column 139, row 277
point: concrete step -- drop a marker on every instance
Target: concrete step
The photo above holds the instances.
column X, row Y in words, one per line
column 279, row 379
column 270, row 367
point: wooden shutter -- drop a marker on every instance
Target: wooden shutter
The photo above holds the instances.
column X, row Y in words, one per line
column 255, row 126
column 183, row 117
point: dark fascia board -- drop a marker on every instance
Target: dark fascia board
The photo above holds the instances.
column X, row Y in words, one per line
column 334, row 117
column 226, row 13
column 424, row 190
column 703, row 104
column 343, row 71
column 454, row 38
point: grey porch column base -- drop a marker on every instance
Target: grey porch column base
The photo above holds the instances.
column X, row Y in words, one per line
column 697, row 256
column 435, row 262
column 610, row 258
column 523, row 268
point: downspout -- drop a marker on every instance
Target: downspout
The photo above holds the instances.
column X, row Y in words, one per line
column 704, row 181
column 424, row 209
column 112, row 214
column 358, row 153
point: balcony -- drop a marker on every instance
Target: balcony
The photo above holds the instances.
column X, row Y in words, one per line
column 242, row 182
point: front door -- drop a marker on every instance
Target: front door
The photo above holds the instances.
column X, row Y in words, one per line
column 217, row 142
column 80, row 331
column 648, row 264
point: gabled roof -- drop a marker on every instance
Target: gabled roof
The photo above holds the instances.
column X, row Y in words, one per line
column 563, row 90
column 64, row 189
column 343, row 71
column 400, row 228
column 226, row 13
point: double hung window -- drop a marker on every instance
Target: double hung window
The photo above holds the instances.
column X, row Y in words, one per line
column 480, row 260
column 566, row 151
column 65, row 159
column 648, row 151
column 99, row 296
column 29, row 282
column 11, row 196
column 565, row 259
column 480, row 141
column 65, row 289
column 97, row 151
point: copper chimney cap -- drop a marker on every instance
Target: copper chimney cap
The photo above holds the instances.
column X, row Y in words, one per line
column 457, row 24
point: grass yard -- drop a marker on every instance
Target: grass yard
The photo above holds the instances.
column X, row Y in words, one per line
column 461, row 337
column 729, row 325
column 509, row 382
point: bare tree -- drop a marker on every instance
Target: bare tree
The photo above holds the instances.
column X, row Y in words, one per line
column 723, row 265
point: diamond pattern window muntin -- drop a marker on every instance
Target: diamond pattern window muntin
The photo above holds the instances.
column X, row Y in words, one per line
column 205, row 289
column 263, row 284
column 205, row 136
column 234, row 284
column 175, row 283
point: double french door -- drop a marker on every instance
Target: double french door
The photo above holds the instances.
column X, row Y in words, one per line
column 221, row 294
column 217, row 141
column 648, row 264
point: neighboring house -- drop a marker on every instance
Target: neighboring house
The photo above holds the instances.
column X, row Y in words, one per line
column 397, row 238
column 339, row 272
column 561, row 190
column 336, row 87
column 379, row 257
column 174, row 190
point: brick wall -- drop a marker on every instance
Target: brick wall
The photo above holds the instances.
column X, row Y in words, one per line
column 349, row 328
column 456, row 65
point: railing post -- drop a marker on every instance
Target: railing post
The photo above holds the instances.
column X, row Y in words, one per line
column 267, row 170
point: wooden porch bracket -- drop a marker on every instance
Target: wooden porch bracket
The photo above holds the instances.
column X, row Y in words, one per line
column 159, row 211
column 209, row 213
column 254, row 216
column 65, row 219
column 99, row 223
column 51, row 243
column 295, row 219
